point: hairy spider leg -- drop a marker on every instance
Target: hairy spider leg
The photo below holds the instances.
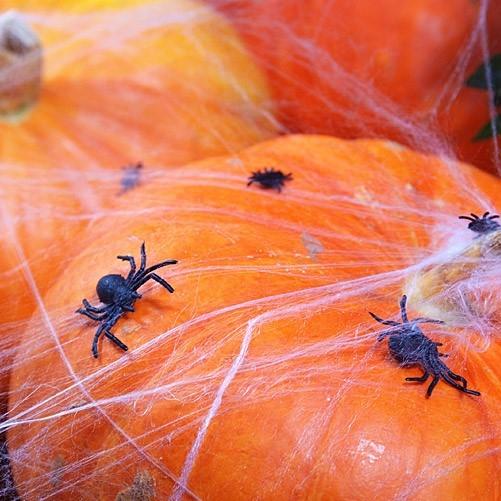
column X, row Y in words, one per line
column 419, row 379
column 381, row 321
column 423, row 320
column 389, row 332
column 132, row 263
column 439, row 369
column 495, row 216
column 430, row 389
column 468, row 218
column 403, row 309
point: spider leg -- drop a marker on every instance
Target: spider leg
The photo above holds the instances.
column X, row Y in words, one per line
column 445, row 355
column 434, row 366
column 446, row 377
column 92, row 315
column 430, row 389
column 423, row 320
column 439, row 369
column 420, row 379
column 495, row 216
column 132, row 263
column 143, row 259
column 99, row 331
column 383, row 334
column 485, row 214
column 474, row 216
column 94, row 309
column 381, row 321
column 157, row 278
column 457, row 377
column 139, row 277
column 403, row 309
column 467, row 217
column 115, row 313
column 115, row 340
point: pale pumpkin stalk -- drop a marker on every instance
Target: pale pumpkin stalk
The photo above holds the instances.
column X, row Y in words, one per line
column 457, row 290
column 20, row 67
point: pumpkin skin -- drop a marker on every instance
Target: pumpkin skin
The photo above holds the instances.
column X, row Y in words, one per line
column 265, row 355
column 117, row 91
column 382, row 69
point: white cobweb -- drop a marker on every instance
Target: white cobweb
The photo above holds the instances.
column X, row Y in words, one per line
column 260, row 377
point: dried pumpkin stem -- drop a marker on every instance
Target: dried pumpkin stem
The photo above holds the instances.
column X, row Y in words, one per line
column 458, row 289
column 20, row 67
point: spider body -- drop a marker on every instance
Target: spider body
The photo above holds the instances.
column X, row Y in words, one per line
column 270, row 179
column 118, row 295
column 131, row 177
column 482, row 225
column 409, row 347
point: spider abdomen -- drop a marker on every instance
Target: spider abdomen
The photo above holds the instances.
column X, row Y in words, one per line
column 408, row 348
column 111, row 287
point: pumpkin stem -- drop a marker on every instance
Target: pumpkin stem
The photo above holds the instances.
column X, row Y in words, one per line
column 20, row 67
column 461, row 287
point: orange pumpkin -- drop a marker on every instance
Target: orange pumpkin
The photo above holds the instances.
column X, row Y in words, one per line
column 382, row 68
column 161, row 82
column 261, row 377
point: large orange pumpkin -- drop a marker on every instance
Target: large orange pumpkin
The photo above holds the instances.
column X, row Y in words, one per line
column 261, row 377
column 382, row 68
column 158, row 82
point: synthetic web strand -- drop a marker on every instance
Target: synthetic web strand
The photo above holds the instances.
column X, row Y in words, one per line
column 36, row 293
column 237, row 363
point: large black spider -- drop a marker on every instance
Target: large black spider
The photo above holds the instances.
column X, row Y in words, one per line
column 118, row 294
column 409, row 347
column 484, row 224
column 270, row 178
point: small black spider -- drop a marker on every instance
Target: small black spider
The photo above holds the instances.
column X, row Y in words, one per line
column 484, row 224
column 118, row 294
column 131, row 177
column 409, row 347
column 270, row 178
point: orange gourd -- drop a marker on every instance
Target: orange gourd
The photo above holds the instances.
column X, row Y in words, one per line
column 387, row 69
column 261, row 377
column 158, row 82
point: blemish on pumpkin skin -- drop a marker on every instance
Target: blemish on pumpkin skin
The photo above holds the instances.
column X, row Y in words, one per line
column 142, row 488
column 56, row 472
column 312, row 245
column 369, row 451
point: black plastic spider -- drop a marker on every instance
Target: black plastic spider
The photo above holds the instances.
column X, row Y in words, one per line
column 484, row 224
column 118, row 294
column 409, row 347
column 270, row 179
column 131, row 177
